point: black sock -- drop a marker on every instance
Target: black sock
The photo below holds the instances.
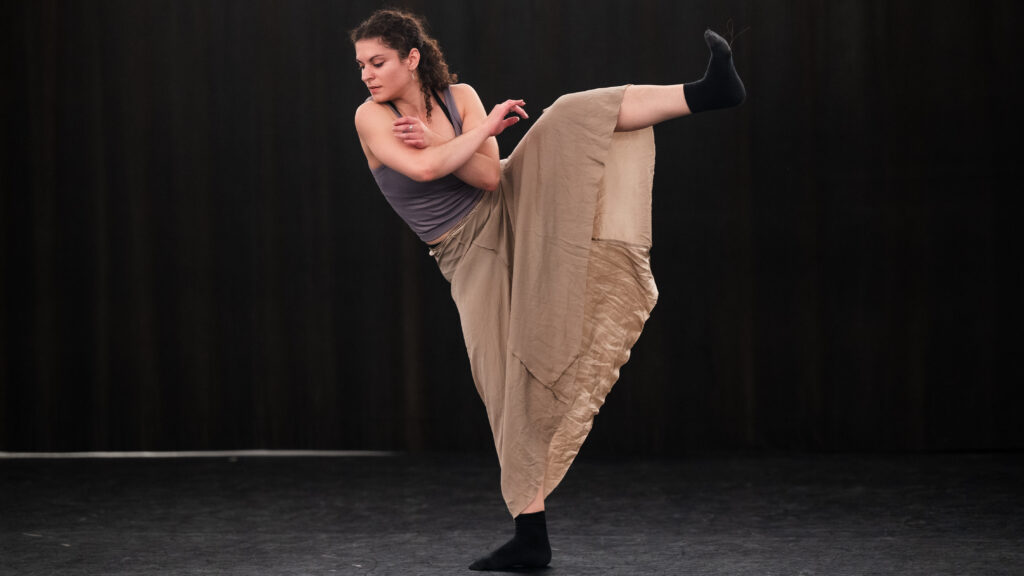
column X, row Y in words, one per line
column 721, row 86
column 529, row 548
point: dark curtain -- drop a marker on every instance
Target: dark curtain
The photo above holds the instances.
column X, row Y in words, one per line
column 193, row 254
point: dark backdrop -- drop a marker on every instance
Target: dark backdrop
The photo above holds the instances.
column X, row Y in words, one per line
column 193, row 253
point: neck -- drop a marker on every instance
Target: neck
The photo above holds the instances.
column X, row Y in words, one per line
column 411, row 103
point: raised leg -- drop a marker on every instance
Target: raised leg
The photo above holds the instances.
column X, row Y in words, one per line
column 647, row 105
column 721, row 87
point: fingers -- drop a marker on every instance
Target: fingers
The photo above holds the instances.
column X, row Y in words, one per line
column 501, row 115
column 409, row 131
column 517, row 107
column 405, row 125
column 405, row 121
column 514, row 106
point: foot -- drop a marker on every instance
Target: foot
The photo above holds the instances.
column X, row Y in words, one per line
column 529, row 548
column 721, row 86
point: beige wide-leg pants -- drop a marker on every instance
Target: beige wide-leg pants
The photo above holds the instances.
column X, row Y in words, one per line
column 551, row 276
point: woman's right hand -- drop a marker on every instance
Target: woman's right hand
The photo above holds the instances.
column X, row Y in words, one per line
column 499, row 118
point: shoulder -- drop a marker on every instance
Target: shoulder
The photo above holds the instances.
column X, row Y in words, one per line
column 466, row 98
column 370, row 113
column 368, row 109
column 463, row 91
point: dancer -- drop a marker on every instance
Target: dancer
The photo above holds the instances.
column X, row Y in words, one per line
column 547, row 251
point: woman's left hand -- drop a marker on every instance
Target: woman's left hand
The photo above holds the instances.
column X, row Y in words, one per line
column 413, row 132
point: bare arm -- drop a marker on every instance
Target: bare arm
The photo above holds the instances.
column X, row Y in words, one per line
column 483, row 169
column 433, row 162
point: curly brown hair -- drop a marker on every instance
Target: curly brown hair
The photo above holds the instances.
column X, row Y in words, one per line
column 403, row 31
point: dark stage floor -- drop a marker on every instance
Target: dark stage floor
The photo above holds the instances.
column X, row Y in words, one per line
column 433, row 514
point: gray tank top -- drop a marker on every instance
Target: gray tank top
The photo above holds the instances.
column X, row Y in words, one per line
column 429, row 208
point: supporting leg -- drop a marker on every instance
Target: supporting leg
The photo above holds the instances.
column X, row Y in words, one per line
column 537, row 505
column 529, row 548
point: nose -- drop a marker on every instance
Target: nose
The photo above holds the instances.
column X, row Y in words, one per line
column 366, row 74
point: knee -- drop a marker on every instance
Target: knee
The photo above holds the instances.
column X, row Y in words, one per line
column 567, row 102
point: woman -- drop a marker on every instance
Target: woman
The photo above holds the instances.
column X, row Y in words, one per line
column 547, row 251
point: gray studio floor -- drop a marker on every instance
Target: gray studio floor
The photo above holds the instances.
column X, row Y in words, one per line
column 432, row 514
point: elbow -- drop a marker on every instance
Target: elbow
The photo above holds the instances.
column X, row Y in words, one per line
column 429, row 169
column 425, row 174
column 490, row 183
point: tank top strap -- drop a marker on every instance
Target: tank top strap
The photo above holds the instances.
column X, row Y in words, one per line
column 444, row 98
column 444, row 107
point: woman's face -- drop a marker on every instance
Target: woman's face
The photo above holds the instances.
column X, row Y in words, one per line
column 383, row 72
